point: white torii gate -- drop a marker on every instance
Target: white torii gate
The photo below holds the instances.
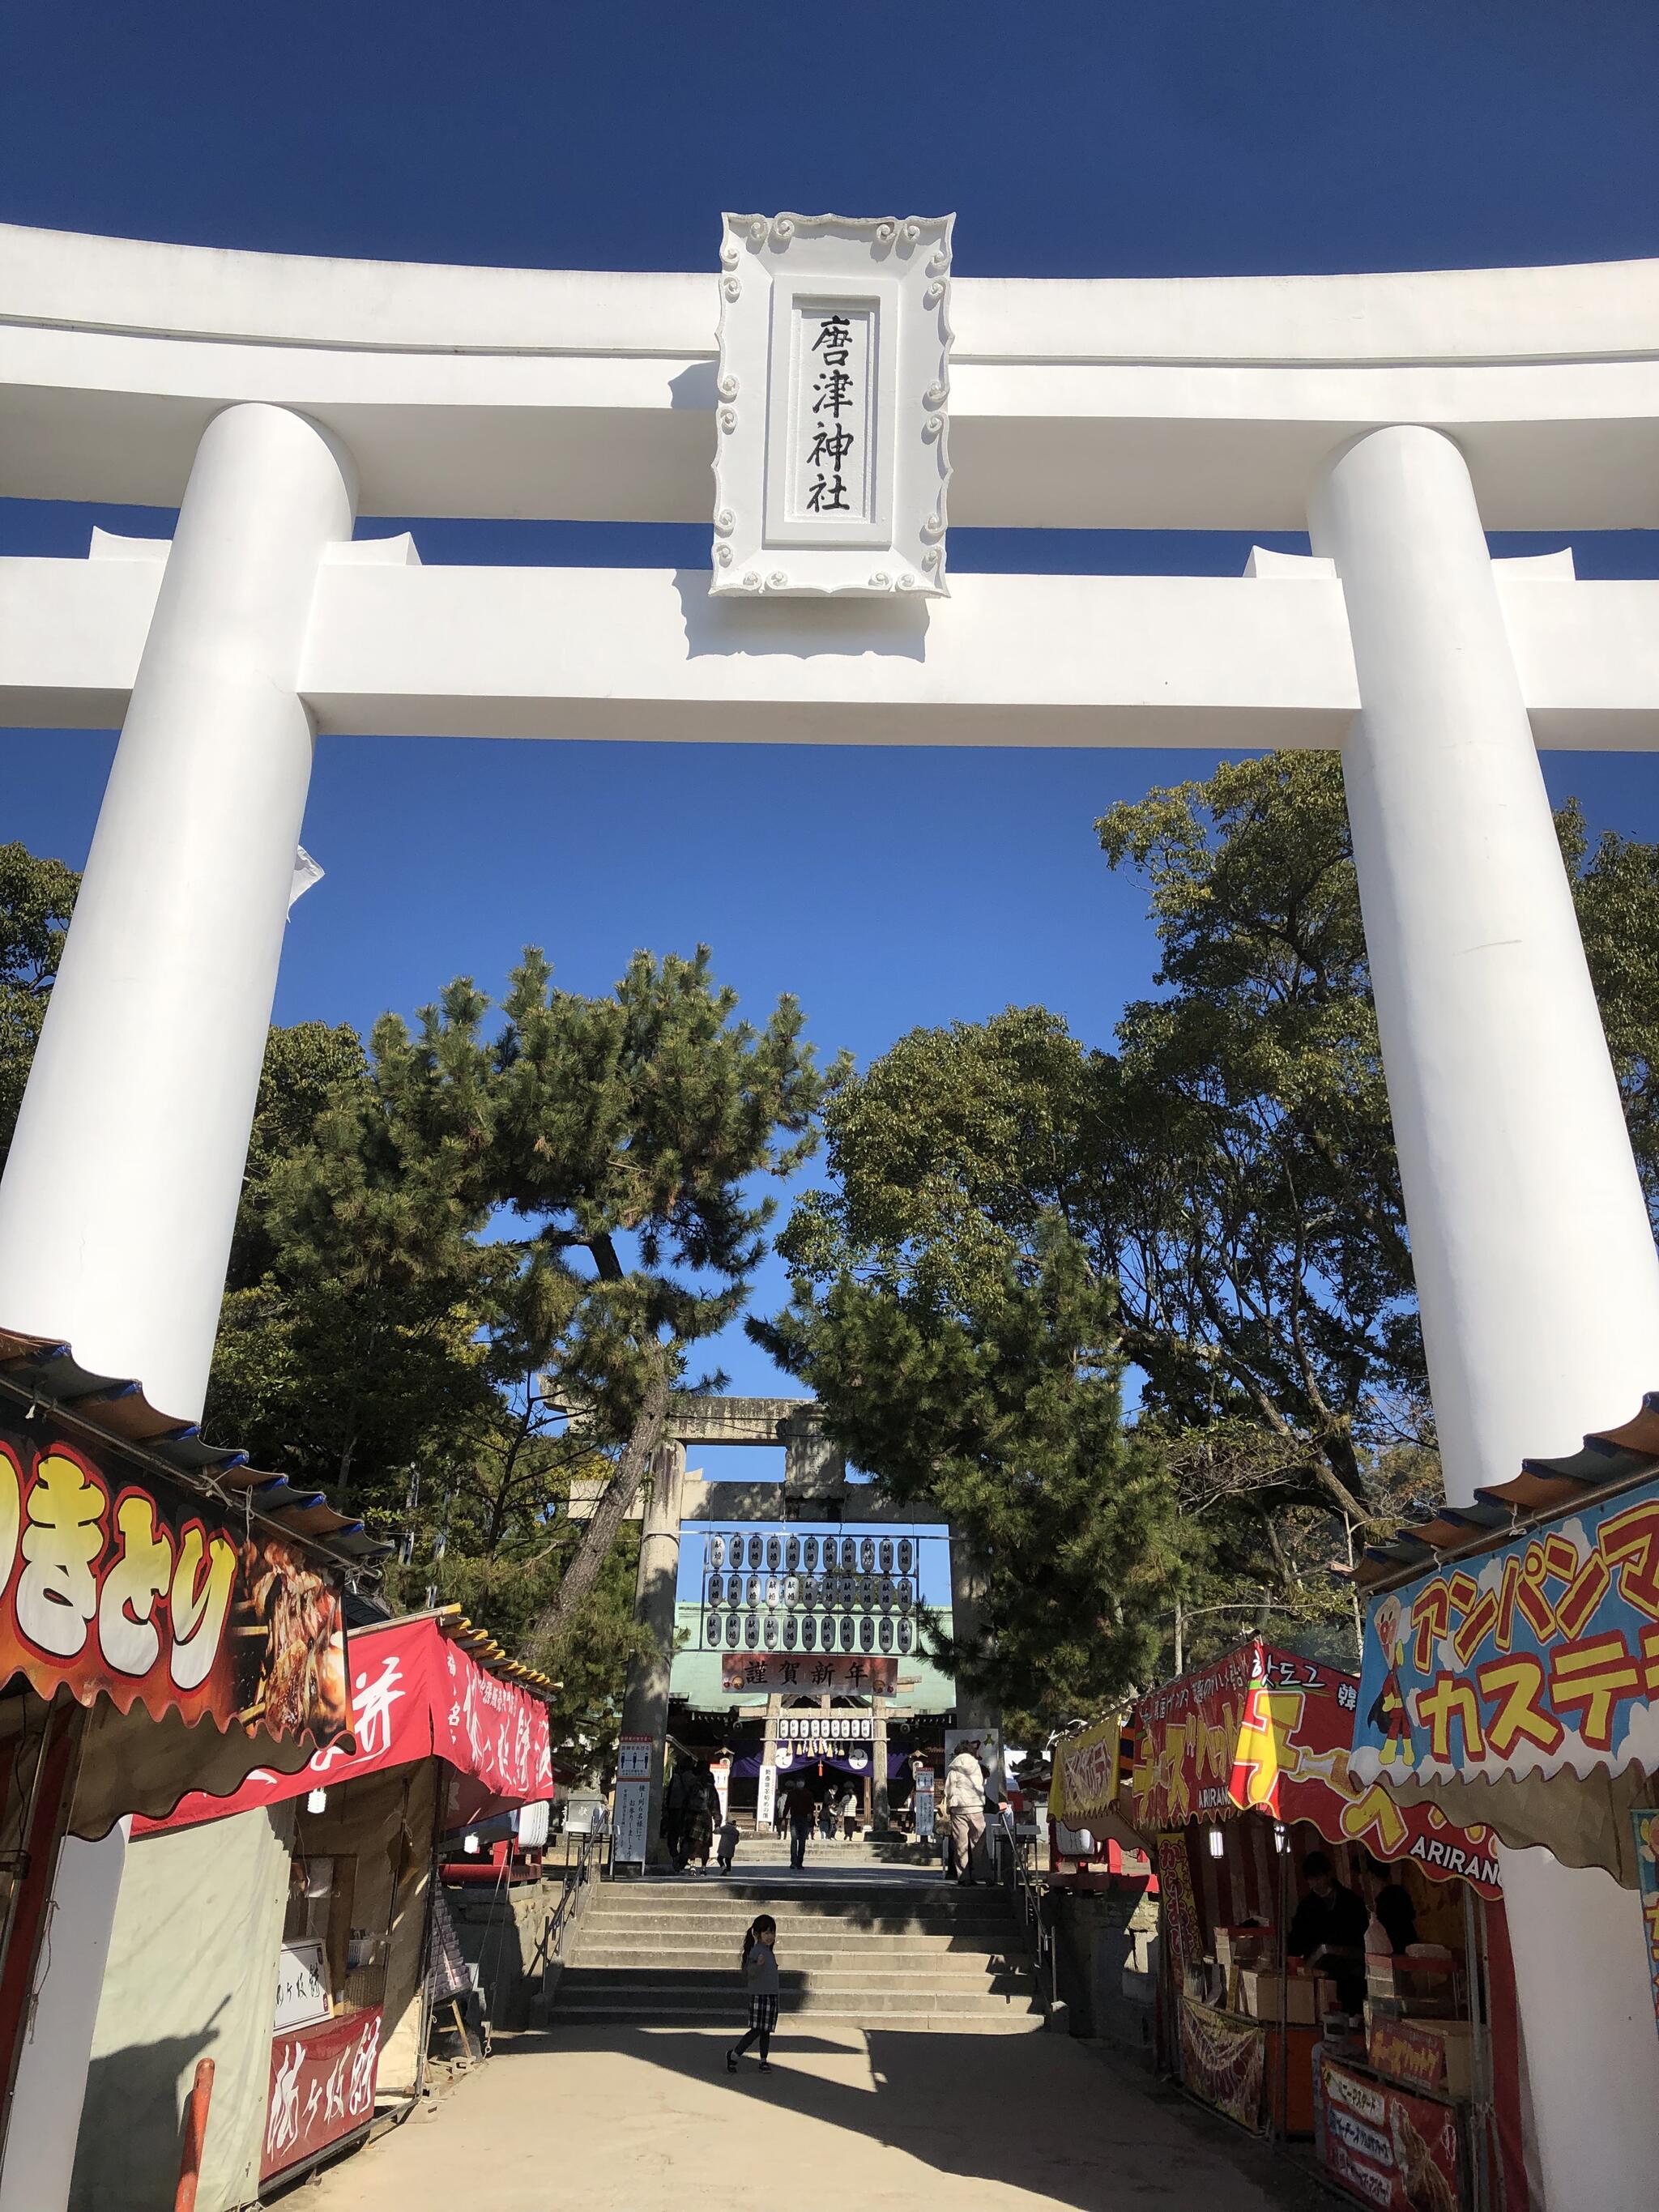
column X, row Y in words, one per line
column 1396, row 417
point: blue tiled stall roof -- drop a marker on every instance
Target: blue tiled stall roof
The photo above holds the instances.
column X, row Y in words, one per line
column 46, row 1372
column 1611, row 1459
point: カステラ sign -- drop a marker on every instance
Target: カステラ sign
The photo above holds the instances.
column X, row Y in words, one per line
column 1539, row 1658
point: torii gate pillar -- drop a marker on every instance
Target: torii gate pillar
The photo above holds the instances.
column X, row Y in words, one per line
column 1534, row 1262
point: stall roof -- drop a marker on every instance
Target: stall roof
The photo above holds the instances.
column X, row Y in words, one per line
column 1511, row 1670
column 45, row 1371
column 1262, row 1730
column 1607, row 1461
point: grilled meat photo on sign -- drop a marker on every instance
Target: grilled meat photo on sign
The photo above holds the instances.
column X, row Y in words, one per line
column 288, row 1605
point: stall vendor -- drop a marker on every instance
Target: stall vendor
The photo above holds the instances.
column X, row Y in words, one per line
column 1329, row 1918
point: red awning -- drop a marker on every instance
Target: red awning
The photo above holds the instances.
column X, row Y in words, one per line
column 1264, row 1731
column 415, row 1694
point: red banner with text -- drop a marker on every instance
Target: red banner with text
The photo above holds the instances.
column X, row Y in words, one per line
column 414, row 1695
column 322, row 2088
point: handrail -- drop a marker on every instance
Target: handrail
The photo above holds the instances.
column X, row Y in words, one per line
column 591, row 1848
column 1022, row 1879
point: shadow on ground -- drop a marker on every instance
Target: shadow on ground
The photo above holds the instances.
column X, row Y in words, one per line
column 1040, row 2113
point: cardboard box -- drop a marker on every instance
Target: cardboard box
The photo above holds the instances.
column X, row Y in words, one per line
column 1423, row 2054
column 1305, row 1999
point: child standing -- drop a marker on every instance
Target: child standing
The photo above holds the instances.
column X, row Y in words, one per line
column 760, row 1975
column 728, row 1850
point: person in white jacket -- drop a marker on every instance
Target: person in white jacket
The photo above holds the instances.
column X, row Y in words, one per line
column 964, row 1807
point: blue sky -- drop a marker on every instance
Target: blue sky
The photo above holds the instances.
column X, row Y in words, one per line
column 885, row 888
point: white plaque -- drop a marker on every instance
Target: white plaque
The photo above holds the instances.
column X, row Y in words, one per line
column 832, row 446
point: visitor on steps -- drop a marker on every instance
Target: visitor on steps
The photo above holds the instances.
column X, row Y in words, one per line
column 760, row 1975
column 801, row 1808
column 728, row 1850
column 964, row 1803
column 849, row 1809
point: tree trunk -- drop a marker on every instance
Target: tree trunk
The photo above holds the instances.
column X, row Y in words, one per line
column 614, row 1505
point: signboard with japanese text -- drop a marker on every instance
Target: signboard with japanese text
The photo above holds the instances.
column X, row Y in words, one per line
column 322, row 2088
column 831, row 406
column 1645, row 1823
column 301, row 1984
column 631, row 1811
column 117, row 1582
column 840, row 1676
column 1398, row 2152
column 1539, row 1658
column 1264, row 1731
column 416, row 1694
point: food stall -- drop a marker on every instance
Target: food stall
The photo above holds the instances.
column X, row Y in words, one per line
column 296, row 1918
column 1241, row 1783
column 170, row 1619
column 1089, row 1843
column 1511, row 1672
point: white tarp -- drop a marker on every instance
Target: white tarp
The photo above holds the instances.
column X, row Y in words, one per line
column 190, row 1975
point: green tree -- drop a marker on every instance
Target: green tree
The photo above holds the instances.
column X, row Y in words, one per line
column 1246, row 1189
column 36, row 898
column 398, row 1323
column 980, row 1380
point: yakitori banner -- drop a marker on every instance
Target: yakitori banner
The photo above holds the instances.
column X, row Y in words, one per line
column 1537, row 1659
column 1264, row 1731
column 118, row 1582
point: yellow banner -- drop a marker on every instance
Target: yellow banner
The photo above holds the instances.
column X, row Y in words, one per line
column 1086, row 1773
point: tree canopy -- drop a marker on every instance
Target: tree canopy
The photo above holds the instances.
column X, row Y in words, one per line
column 36, row 898
column 1224, row 1183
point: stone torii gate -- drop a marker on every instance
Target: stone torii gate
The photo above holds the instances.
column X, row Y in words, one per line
column 814, row 1488
column 272, row 399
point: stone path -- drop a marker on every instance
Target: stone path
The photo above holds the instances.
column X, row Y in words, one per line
column 648, row 2119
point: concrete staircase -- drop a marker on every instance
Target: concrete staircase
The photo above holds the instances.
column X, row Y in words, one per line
column 899, row 1954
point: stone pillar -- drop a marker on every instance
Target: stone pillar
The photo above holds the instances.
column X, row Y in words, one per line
column 769, row 1759
column 645, row 1700
column 975, row 1708
column 121, row 1189
column 1535, row 1267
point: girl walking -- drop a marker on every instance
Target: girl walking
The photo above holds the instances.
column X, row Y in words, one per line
column 760, row 1975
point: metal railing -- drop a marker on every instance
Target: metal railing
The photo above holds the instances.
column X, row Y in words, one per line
column 1008, row 1847
column 583, row 1866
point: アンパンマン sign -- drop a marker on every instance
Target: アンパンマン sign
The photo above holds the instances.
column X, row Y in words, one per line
column 1539, row 1658
column 117, row 1582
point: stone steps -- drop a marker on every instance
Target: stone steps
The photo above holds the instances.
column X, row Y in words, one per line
column 996, row 1979
column 918, row 1956
column 932, row 1953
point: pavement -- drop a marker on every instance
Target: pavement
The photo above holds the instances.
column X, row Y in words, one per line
column 649, row 2119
